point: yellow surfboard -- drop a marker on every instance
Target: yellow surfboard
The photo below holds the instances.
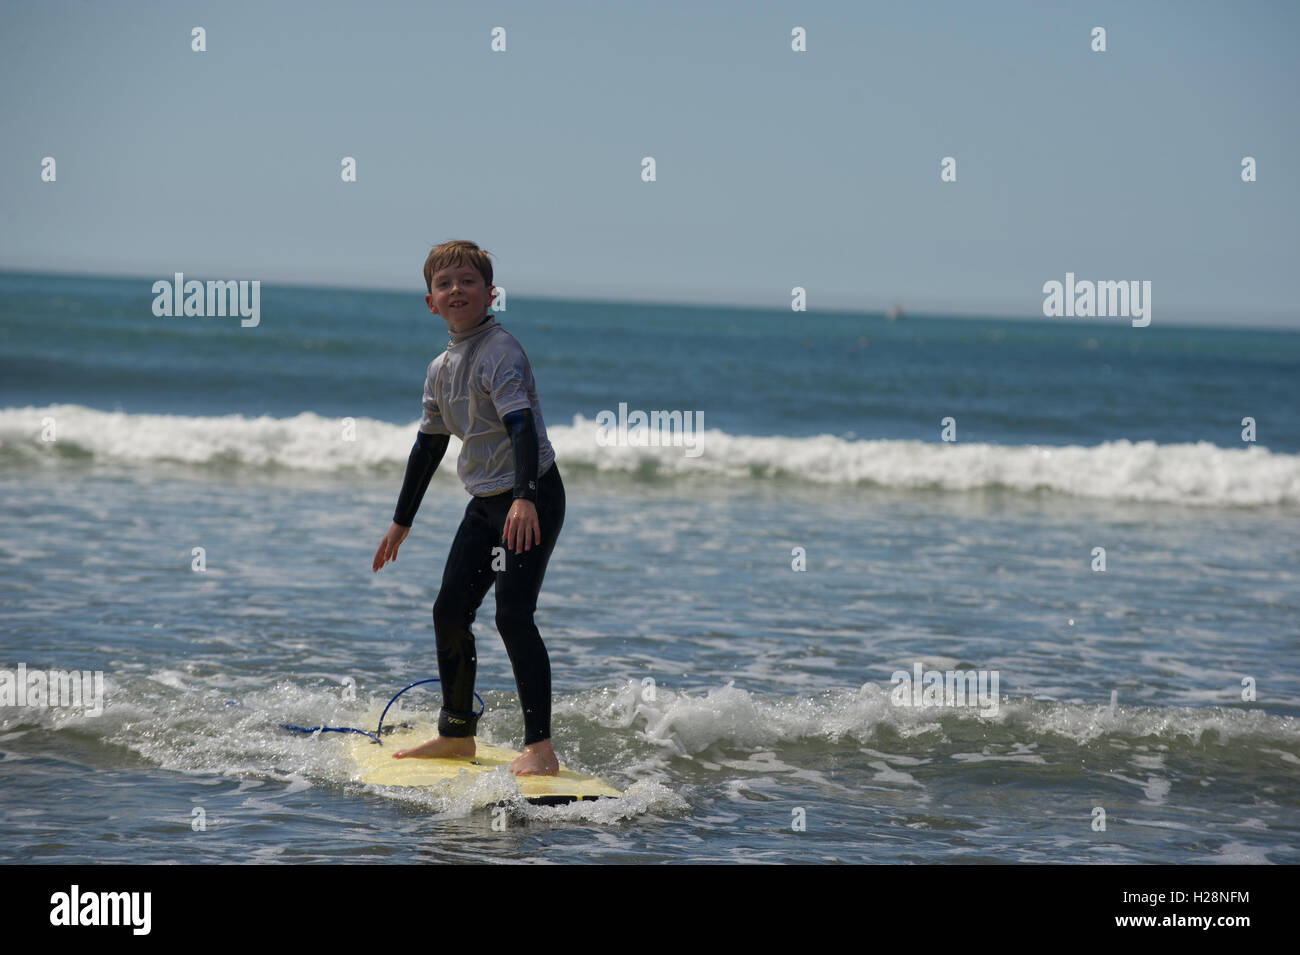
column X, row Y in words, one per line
column 375, row 764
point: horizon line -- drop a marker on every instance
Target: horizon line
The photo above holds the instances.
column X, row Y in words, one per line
column 928, row 308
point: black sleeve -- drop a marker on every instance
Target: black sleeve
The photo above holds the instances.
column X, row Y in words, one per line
column 426, row 454
column 523, row 438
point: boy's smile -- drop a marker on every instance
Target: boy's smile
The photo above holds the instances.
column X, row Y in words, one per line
column 460, row 296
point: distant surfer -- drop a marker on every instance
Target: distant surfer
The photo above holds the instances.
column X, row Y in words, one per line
column 481, row 389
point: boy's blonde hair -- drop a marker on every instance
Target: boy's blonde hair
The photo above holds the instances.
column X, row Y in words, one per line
column 457, row 252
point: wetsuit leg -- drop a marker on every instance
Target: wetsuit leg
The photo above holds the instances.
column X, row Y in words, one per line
column 465, row 582
column 466, row 579
column 517, row 590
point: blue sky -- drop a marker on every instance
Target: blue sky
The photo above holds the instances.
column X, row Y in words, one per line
column 774, row 168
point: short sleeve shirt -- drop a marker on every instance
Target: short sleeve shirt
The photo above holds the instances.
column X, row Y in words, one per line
column 481, row 377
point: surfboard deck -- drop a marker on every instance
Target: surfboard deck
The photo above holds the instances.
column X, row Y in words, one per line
column 375, row 764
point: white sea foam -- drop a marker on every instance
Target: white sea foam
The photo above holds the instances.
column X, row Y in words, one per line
column 306, row 441
column 733, row 718
column 1200, row 473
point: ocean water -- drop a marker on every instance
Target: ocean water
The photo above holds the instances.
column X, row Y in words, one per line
column 725, row 621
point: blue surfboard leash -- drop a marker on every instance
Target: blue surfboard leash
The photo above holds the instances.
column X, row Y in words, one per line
column 379, row 731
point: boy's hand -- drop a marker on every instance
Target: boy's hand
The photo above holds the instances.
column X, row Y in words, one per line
column 522, row 530
column 388, row 546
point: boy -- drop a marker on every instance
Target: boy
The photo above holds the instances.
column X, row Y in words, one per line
column 481, row 389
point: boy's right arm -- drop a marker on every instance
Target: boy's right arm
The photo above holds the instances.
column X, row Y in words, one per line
column 430, row 445
column 426, row 455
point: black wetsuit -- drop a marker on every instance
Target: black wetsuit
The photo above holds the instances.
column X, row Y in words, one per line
column 469, row 574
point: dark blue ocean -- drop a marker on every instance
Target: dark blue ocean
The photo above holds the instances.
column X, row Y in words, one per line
column 725, row 620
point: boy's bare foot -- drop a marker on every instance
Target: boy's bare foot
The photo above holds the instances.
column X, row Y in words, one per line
column 440, row 747
column 536, row 760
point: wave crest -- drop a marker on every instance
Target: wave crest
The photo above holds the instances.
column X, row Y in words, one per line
column 1200, row 473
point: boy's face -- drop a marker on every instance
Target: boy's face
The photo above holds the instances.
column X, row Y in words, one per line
column 460, row 296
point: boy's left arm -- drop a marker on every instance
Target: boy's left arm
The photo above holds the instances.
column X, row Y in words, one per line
column 506, row 382
column 522, row 529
